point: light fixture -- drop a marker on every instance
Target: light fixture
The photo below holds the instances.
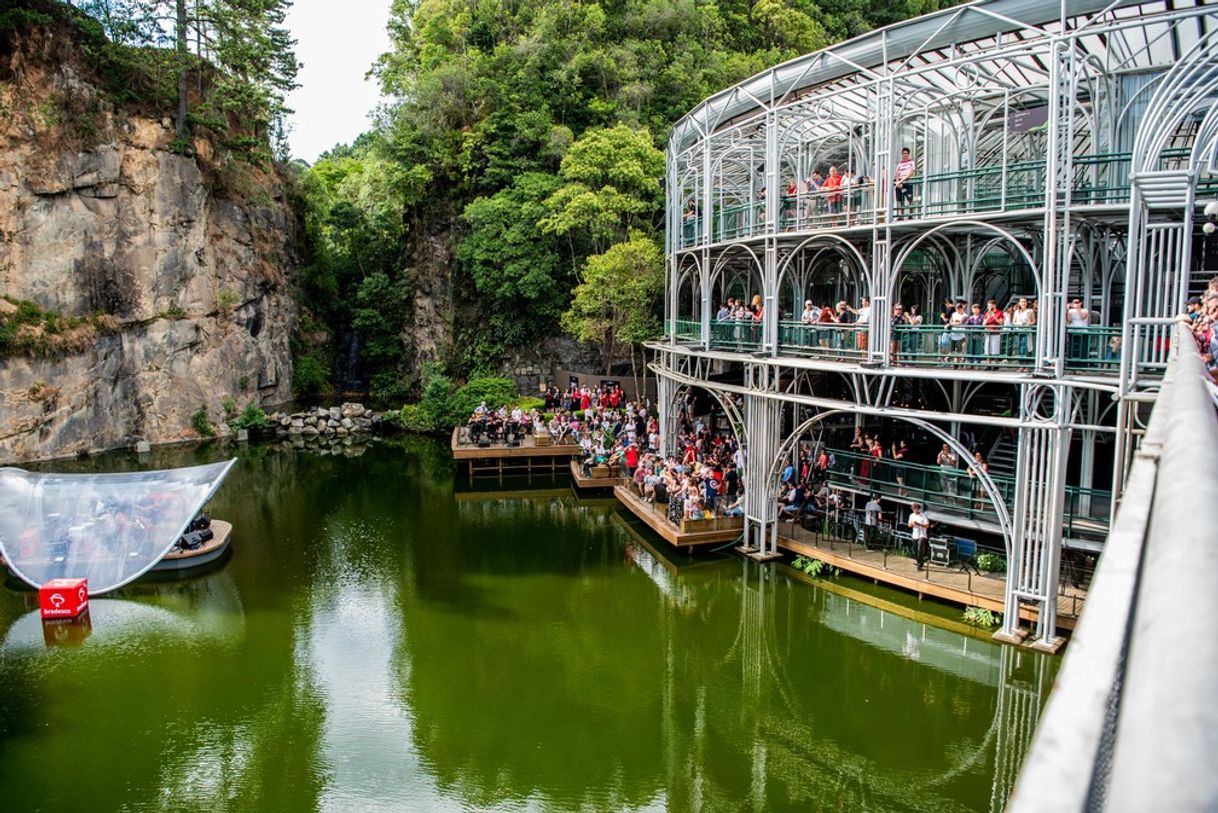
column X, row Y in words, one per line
column 1211, row 209
column 1209, row 228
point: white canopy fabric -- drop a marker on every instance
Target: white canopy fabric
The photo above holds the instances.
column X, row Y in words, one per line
column 107, row 528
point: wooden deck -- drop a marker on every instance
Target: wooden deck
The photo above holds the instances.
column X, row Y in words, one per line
column 499, row 459
column 597, row 480
column 953, row 585
column 689, row 533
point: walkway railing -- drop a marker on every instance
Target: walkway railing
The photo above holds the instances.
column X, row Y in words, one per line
column 1132, row 723
column 951, row 490
column 1100, row 178
column 823, row 340
column 1089, row 351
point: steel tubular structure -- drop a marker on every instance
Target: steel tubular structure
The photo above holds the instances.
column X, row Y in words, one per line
column 1061, row 151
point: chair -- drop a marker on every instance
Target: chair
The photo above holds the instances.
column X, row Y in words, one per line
column 966, row 554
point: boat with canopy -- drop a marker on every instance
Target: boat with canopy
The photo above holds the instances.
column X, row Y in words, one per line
column 107, row 528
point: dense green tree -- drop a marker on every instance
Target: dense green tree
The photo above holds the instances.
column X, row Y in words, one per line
column 241, row 46
column 517, row 270
column 613, row 184
column 539, row 123
column 613, row 306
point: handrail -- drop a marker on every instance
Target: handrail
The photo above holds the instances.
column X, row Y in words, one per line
column 1094, row 350
column 1132, row 724
column 951, row 490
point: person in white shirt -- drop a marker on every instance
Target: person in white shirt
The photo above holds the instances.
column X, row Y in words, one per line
column 919, row 530
column 861, row 317
column 1078, row 319
column 811, row 313
column 871, row 520
column 1021, row 319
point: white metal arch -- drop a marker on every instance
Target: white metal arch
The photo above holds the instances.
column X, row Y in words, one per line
column 955, row 224
column 983, row 477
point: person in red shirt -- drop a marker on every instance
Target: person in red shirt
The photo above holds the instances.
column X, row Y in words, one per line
column 632, row 459
column 585, row 400
column 832, row 189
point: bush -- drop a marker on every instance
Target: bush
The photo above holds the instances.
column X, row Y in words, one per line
column 495, row 391
column 388, row 386
column 311, row 377
column 530, row 403
column 229, row 405
column 202, row 424
column 252, row 418
column 815, row 567
column 981, row 617
column 418, row 418
column 991, row 563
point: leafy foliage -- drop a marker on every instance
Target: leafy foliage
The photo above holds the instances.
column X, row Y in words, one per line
column 981, row 617
column 241, row 47
column 516, row 268
column 614, row 304
column 991, row 563
column 536, row 126
column 815, row 567
column 202, row 424
column 495, row 391
column 252, row 418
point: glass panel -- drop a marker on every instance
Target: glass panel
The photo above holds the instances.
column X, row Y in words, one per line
column 107, row 528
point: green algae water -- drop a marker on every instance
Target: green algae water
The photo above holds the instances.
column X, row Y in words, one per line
column 383, row 640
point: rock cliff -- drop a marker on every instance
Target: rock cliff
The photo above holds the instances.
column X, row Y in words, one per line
column 160, row 283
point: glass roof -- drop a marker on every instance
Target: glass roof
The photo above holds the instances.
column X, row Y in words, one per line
column 107, row 528
column 997, row 45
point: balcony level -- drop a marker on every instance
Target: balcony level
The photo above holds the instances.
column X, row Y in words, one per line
column 1090, row 351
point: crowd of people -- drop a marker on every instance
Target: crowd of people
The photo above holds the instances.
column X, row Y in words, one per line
column 1202, row 315
column 828, row 196
column 967, row 333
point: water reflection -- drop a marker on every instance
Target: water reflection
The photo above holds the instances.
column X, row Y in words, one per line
column 381, row 642
column 188, row 613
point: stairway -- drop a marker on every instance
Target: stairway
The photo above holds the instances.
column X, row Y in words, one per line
column 1002, row 455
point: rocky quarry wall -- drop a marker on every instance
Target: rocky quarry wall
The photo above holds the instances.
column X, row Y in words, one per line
column 171, row 272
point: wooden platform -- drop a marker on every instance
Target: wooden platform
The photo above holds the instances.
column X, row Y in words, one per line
column 498, row 459
column 689, row 533
column 597, row 480
column 951, row 585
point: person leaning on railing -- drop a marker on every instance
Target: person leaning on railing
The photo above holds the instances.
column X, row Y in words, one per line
column 899, row 336
column 903, row 186
column 1202, row 316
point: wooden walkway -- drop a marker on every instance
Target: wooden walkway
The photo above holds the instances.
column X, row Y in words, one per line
column 689, row 533
column 949, row 584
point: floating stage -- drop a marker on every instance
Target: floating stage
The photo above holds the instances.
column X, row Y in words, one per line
column 690, row 533
column 533, row 455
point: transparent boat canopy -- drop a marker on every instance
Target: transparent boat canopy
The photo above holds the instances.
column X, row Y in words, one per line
column 107, row 528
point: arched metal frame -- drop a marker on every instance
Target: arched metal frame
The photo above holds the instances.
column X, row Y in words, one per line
column 1072, row 136
column 983, row 477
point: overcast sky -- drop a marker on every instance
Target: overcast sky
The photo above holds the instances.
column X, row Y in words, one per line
column 337, row 42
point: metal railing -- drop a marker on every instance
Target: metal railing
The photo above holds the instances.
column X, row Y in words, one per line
column 951, row 490
column 1098, row 179
column 1132, row 723
column 823, row 340
column 1090, row 350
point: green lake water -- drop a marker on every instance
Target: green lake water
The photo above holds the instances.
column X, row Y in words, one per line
column 384, row 639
